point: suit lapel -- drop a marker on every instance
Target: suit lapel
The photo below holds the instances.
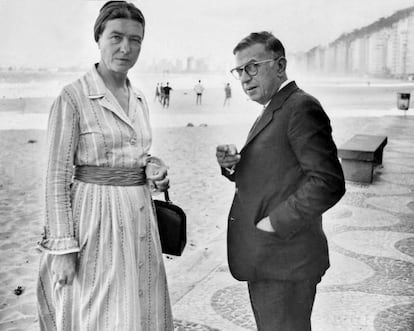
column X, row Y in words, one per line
column 259, row 125
column 267, row 116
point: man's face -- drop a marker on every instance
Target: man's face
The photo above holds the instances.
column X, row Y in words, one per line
column 262, row 86
column 120, row 44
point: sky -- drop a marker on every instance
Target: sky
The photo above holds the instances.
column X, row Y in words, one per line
column 53, row 33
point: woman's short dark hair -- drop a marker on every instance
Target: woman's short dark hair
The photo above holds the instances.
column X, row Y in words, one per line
column 117, row 9
column 270, row 42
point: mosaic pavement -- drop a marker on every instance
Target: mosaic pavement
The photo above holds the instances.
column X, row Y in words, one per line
column 370, row 285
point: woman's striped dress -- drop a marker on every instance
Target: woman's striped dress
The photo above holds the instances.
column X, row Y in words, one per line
column 120, row 282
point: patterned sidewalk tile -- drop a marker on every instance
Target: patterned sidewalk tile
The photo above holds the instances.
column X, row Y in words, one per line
column 351, row 311
column 374, row 243
column 395, row 204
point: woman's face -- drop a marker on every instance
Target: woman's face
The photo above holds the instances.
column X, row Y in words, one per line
column 120, row 44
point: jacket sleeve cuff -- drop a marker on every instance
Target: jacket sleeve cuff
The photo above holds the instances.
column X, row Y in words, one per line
column 229, row 173
column 59, row 246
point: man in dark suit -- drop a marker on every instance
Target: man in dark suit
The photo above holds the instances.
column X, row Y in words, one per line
column 286, row 175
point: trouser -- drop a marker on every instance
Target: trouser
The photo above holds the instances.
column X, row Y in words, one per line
column 283, row 305
column 166, row 101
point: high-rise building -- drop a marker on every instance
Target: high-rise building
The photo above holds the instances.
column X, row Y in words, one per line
column 385, row 47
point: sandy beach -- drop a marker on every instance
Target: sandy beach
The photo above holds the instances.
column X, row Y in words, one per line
column 196, row 183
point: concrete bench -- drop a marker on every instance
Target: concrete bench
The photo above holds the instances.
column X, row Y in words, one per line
column 360, row 155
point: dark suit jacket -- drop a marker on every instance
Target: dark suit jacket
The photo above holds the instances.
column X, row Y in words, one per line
column 289, row 170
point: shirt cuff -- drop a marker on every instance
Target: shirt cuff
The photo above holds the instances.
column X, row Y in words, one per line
column 231, row 170
column 59, row 246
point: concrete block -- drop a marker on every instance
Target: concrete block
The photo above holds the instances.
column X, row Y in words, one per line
column 358, row 171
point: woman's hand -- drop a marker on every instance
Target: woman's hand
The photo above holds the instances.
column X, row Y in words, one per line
column 160, row 180
column 64, row 269
column 156, row 171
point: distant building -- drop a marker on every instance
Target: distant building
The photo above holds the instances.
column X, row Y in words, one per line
column 358, row 56
column 201, row 65
column 376, row 53
column 297, row 63
column 316, row 59
column 191, row 64
column 383, row 48
column 330, row 60
column 179, row 65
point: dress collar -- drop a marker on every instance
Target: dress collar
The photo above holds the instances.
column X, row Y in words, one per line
column 97, row 89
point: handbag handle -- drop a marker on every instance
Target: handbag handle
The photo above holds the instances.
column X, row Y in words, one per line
column 167, row 197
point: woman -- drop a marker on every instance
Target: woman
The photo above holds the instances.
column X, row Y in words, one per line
column 102, row 268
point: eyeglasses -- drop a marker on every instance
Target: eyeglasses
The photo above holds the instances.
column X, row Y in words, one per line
column 250, row 68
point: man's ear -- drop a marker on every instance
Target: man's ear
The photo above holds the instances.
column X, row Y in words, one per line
column 281, row 65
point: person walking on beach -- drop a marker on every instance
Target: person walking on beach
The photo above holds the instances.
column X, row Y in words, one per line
column 102, row 266
column 157, row 92
column 199, row 89
column 227, row 95
column 286, row 176
column 162, row 94
column 166, row 100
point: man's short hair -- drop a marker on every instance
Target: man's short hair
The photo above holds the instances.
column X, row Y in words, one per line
column 270, row 42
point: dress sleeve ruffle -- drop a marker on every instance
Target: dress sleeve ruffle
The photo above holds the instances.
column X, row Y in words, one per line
column 59, row 246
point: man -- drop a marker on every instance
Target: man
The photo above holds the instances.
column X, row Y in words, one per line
column 166, row 99
column 286, row 175
column 199, row 89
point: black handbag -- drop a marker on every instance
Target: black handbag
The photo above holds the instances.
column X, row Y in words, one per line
column 172, row 226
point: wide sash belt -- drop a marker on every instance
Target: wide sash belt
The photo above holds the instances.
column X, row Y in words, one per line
column 111, row 176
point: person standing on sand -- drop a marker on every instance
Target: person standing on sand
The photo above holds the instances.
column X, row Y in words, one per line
column 227, row 95
column 102, row 266
column 167, row 89
column 286, row 176
column 157, row 92
column 162, row 94
column 199, row 89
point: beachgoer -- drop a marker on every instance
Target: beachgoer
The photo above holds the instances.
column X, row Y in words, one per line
column 167, row 90
column 102, row 266
column 286, row 176
column 162, row 94
column 227, row 95
column 157, row 92
column 199, row 89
